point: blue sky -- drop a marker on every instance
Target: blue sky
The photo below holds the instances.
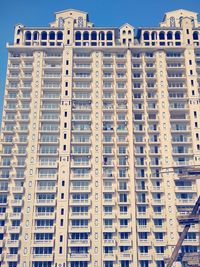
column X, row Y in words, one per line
column 101, row 13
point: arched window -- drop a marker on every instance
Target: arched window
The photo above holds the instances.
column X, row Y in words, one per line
column 178, row 36
column 59, row 35
column 86, row 36
column 93, row 36
column 169, row 35
column 129, row 32
column 195, row 35
column 154, row 35
column 35, row 36
column 78, row 36
column 52, row 36
column 28, row 36
column 44, row 35
column 109, row 36
column 146, row 35
column 162, row 36
column 18, row 31
column 101, row 36
column 124, row 32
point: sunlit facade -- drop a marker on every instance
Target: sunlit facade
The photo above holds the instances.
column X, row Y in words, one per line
column 97, row 124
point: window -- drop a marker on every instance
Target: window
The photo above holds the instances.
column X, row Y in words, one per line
column 146, row 35
column 162, row 36
column 101, row 36
column 195, row 35
column 59, row 36
column 28, row 36
column 93, row 36
column 154, row 35
column 177, row 35
column 85, row 36
column 78, row 35
column 52, row 36
column 44, row 36
column 169, row 36
column 109, row 36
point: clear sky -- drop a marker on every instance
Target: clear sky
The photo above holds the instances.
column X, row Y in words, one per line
column 101, row 12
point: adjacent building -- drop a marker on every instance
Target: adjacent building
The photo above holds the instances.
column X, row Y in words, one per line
column 98, row 123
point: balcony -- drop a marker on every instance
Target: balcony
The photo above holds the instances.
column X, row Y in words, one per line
column 124, row 215
column 14, row 229
column 109, row 228
column 160, row 256
column 109, row 242
column 109, row 257
column 42, row 257
column 109, row 189
column 49, row 130
column 49, row 189
column 81, row 152
column 160, row 242
column 80, row 202
column 80, row 164
column 125, row 242
column 82, row 66
column 17, row 202
column 46, row 202
column 141, row 188
column 185, row 201
column 77, row 77
column 49, row 118
column 191, row 242
column 109, row 215
column 125, row 256
column 183, row 163
column 80, row 215
column 18, row 189
column 79, row 243
column 47, row 164
column 144, row 242
column 43, row 243
column 79, row 229
column 44, row 229
column 143, row 215
column 86, row 189
column 49, row 152
column 76, row 176
column 185, row 189
column 159, row 228
column 157, row 202
column 159, row 215
column 12, row 243
column 110, row 202
column 12, row 257
column 157, row 188
column 79, row 257
column 145, row 256
column 125, row 229
column 142, row 201
column 143, row 228
column 15, row 216
column 47, row 177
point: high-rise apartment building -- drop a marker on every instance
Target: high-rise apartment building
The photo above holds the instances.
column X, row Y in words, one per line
column 98, row 122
